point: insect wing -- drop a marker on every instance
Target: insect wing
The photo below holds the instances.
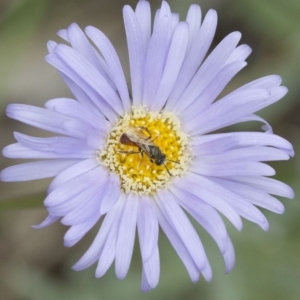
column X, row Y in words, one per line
column 125, row 140
column 136, row 134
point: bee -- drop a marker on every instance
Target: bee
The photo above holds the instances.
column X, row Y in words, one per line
column 135, row 136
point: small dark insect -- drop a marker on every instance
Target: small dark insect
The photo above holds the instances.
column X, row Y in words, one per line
column 135, row 136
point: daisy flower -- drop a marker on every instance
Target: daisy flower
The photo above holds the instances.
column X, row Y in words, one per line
column 147, row 157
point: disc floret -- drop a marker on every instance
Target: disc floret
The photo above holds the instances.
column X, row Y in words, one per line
column 138, row 173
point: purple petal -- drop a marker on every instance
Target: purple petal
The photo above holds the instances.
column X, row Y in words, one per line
column 240, row 205
column 193, row 19
column 178, row 246
column 36, row 170
column 245, row 154
column 113, row 62
column 227, row 110
column 37, row 117
column 110, row 247
column 94, row 251
column 126, row 235
column 212, row 91
column 71, row 193
column 151, row 270
column 147, row 225
column 157, row 51
column 79, row 71
column 209, row 194
column 252, row 195
column 194, row 57
column 77, row 169
column 143, row 15
column 60, row 145
column 136, row 51
column 209, row 69
column 240, row 53
column 78, row 231
column 76, row 110
column 217, row 146
column 172, row 66
column 227, row 169
column 205, row 215
column 183, row 228
column 267, row 185
column 111, row 194
column 48, row 221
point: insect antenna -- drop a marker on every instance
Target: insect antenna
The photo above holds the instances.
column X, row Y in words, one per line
column 168, row 170
column 177, row 162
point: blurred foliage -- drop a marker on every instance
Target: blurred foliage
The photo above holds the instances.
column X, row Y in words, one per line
column 20, row 20
column 268, row 264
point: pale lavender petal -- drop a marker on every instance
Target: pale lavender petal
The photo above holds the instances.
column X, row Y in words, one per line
column 94, row 251
column 79, row 42
column 257, row 139
column 108, row 253
column 252, row 195
column 205, row 215
column 217, row 146
column 151, row 270
column 111, row 195
column 137, row 53
column 59, row 144
column 242, row 154
column 237, row 112
column 87, row 72
column 263, row 83
column 193, row 19
column 208, row 193
column 79, row 93
column 172, row 66
column 113, row 63
column 73, row 191
column 267, row 127
column 178, row 246
column 194, row 57
column 89, row 204
column 143, row 15
column 48, row 221
column 78, row 231
column 229, row 256
column 264, row 184
column 157, row 51
column 72, row 172
column 51, row 46
column 35, row 170
column 212, row 90
column 75, row 36
column 183, row 228
column 126, row 235
column 242, row 168
column 227, row 110
column 147, row 225
column 63, row 33
column 208, row 70
column 240, row 53
column 76, row 110
column 82, row 78
column 37, row 117
column 163, row 12
column 145, row 286
column 240, row 205
column 19, row 151
column 84, row 131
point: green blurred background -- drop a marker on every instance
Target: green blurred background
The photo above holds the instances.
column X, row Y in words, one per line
column 34, row 264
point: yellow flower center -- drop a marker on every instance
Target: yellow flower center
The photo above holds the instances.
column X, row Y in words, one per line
column 146, row 149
